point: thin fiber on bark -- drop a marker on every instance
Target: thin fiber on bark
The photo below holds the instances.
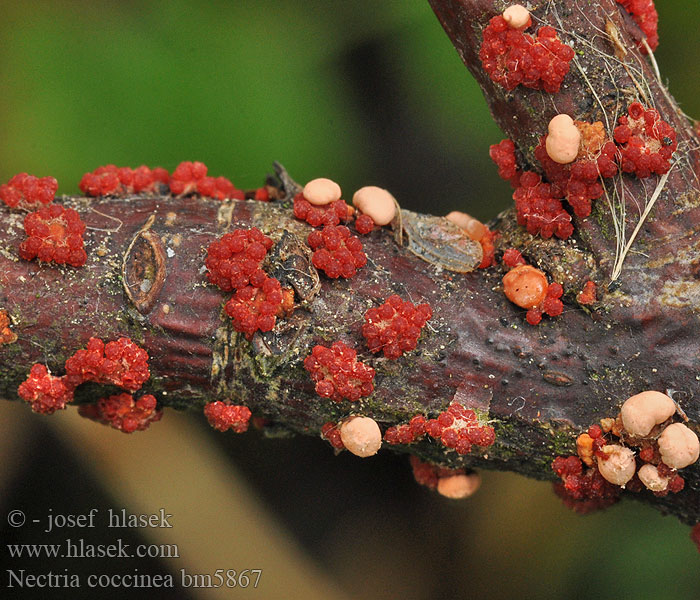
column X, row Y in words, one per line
column 539, row 386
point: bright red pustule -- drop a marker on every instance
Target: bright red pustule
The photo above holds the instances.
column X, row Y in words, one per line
column 512, row 258
column 338, row 374
column 512, row 57
column 55, row 233
column 28, row 192
column 337, row 252
column 364, row 224
column 113, row 180
column 551, row 305
column 331, row 433
column 235, row 258
column 45, row 393
column 191, row 178
column 459, row 428
column 588, row 294
column 406, row 433
column 539, row 210
column 121, row 363
column 222, row 416
column 503, row 154
column 122, row 412
column 255, row 307
column 644, row 14
column 395, row 326
column 646, row 142
column 581, row 483
column 328, row 214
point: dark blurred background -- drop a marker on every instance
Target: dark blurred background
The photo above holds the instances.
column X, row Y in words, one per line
column 364, row 92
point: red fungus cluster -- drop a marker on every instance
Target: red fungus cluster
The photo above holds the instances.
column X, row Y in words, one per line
column 113, row 180
column 191, row 178
column 646, row 141
column 255, row 307
column 644, row 14
column 337, row 252
column 338, row 374
column 395, row 326
column 54, row 234
column 222, row 416
column 122, row 412
column 583, row 485
column 27, row 191
column 588, row 294
column 539, row 210
column 235, row 258
column 457, row 428
column 512, row 57
column 429, row 474
column 331, row 432
column 7, row 336
column 364, row 224
column 45, row 393
column 551, row 305
column 121, row 363
column 316, row 215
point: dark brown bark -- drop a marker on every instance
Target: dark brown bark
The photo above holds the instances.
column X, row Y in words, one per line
column 540, row 386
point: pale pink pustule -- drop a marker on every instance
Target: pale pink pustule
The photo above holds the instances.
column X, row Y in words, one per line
column 517, row 16
column 649, row 476
column 642, row 411
column 563, row 139
column 620, row 465
column 474, row 228
column 321, row 191
column 459, row 486
column 679, row 446
column 377, row 203
column 361, row 436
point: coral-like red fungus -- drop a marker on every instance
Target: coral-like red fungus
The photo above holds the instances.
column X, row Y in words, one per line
column 338, row 374
column 255, row 307
column 511, row 57
column 235, row 258
column 191, row 178
column 331, row 432
column 121, row 363
column 122, row 412
column 337, row 252
column 646, row 142
column 222, row 416
column 55, row 233
column 110, row 179
column 539, row 210
column 45, row 392
column 27, row 191
column 328, row 214
column 644, row 14
column 395, row 326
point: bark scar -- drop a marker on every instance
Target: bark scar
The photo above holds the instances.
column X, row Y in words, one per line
column 143, row 268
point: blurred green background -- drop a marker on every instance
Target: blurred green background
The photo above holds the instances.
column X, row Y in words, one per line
column 364, row 92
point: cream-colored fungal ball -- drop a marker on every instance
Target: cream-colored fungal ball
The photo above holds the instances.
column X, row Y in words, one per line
column 459, row 486
column 517, row 16
column 620, row 465
column 377, row 203
column 361, row 435
column 642, row 411
column 474, row 228
column 649, row 476
column 678, row 446
column 321, row 191
column 563, row 139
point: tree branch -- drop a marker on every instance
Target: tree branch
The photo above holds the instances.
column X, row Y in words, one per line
column 540, row 386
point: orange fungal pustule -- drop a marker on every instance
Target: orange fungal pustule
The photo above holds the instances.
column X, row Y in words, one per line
column 525, row 286
column 458, row 486
column 361, row 436
column 679, row 446
column 474, row 228
column 642, row 411
column 563, row 139
column 517, row 17
column 322, row 191
column 619, row 466
column 376, row 202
